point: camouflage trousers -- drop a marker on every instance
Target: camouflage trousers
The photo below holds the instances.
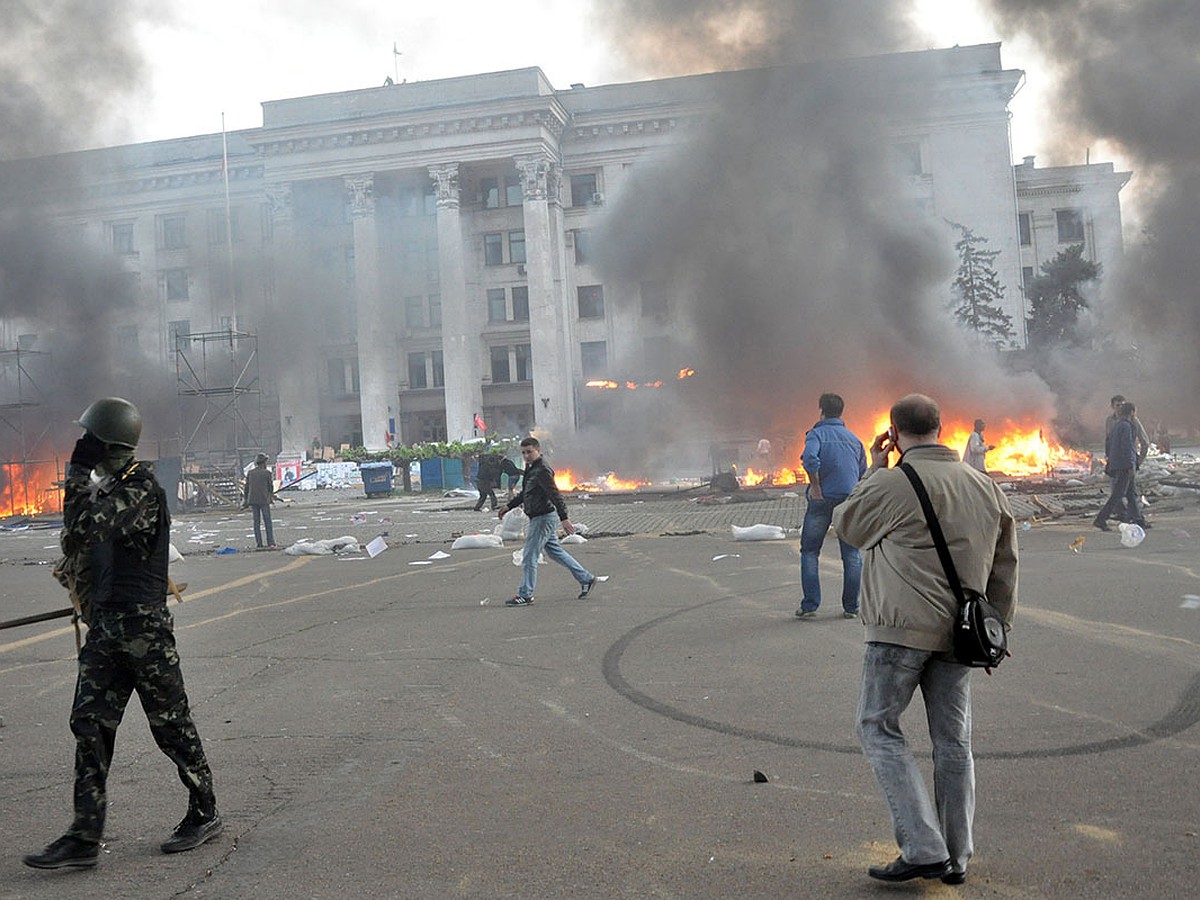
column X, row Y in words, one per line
column 125, row 652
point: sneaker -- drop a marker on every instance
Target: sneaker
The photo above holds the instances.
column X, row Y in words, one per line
column 518, row 600
column 193, row 831
column 67, row 852
column 586, row 589
column 806, row 614
column 850, row 615
column 1103, row 526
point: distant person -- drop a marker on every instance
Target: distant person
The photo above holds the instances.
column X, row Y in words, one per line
column 1141, row 438
column 909, row 611
column 115, row 539
column 544, row 505
column 834, row 460
column 487, row 478
column 976, row 451
column 1121, row 451
column 260, row 494
column 765, row 462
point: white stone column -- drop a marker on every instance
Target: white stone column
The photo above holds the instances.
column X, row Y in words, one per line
column 297, row 380
column 461, row 347
column 379, row 384
column 549, row 309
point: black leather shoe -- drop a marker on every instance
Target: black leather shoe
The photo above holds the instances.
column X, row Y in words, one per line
column 899, row 870
column 67, row 852
column 193, row 831
column 953, row 877
column 1103, row 526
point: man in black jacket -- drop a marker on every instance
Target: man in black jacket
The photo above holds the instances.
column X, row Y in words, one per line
column 544, row 505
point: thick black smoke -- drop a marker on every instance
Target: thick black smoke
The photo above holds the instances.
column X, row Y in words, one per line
column 782, row 230
column 1129, row 73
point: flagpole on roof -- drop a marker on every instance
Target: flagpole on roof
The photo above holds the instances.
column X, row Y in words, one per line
column 228, row 227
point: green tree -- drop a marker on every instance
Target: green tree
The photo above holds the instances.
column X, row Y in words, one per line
column 1056, row 297
column 978, row 293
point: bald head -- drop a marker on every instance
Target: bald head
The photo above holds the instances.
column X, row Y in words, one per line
column 917, row 416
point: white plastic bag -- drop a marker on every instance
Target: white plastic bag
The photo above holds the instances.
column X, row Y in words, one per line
column 1131, row 535
column 477, row 541
column 519, row 558
column 573, row 539
column 758, row 533
column 512, row 526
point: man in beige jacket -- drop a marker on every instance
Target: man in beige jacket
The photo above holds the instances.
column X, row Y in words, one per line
column 908, row 608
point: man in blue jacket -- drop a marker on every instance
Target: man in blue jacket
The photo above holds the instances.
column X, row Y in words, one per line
column 834, row 460
column 1121, row 450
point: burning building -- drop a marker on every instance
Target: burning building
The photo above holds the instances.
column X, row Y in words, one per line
column 399, row 260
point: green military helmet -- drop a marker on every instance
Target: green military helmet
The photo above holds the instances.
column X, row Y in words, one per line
column 114, row 421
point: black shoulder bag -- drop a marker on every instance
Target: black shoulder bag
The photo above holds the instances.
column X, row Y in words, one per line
column 979, row 637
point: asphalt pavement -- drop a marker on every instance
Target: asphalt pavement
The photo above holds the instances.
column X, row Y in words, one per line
column 386, row 727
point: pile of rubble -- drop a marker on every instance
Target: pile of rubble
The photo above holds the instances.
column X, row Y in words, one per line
column 1167, row 483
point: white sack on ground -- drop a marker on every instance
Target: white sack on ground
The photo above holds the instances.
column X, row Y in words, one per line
column 345, row 544
column 758, row 533
column 573, row 539
column 477, row 541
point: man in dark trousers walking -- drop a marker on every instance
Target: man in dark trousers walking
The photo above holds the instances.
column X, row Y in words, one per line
column 260, row 494
column 116, row 537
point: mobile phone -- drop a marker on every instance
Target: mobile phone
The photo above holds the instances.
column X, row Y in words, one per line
column 892, row 434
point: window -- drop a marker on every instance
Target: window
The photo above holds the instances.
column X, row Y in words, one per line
column 1025, row 229
column 266, row 223
column 500, row 373
column 122, row 238
column 1026, row 277
column 439, row 369
column 414, row 312
column 594, row 358
column 435, row 310
column 416, row 371
column 26, row 341
column 1070, row 226
column 516, row 246
column 177, row 334
column 654, row 299
column 906, row 158
column 524, row 355
column 581, row 247
column 227, row 324
column 520, row 303
column 513, row 195
column 493, row 249
column 175, row 284
column 174, row 232
column 583, row 188
column 591, row 301
column 497, row 309
column 337, row 376
column 216, row 226
column 489, row 188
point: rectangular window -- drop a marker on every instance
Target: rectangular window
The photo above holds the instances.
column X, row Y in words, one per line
column 174, row 232
column 581, row 247
column 500, row 373
column 513, row 195
column 594, row 359
column 435, row 310
column 1025, row 229
column 216, row 226
column 654, row 299
column 1070, row 226
column 337, row 376
column 497, row 311
column 122, row 238
column 177, row 334
column 414, row 312
column 591, row 301
column 175, row 284
column 583, row 189
column 1026, row 277
column 516, row 246
column 266, row 223
column 524, row 355
column 493, row 249
column 416, row 371
column 439, row 369
column 354, row 389
column 520, row 298
column 489, row 188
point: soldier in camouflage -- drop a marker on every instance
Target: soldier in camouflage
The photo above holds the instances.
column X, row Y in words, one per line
column 116, row 536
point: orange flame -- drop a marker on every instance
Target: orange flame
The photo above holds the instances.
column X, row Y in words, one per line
column 27, row 489
column 566, row 480
column 686, row 373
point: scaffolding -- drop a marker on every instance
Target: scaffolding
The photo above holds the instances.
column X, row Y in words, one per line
column 221, row 413
column 30, row 470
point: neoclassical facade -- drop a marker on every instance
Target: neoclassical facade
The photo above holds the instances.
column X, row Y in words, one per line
column 414, row 257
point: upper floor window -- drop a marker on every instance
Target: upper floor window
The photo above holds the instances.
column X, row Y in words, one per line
column 1070, row 226
column 175, row 284
column 593, row 357
column 493, row 249
column 414, row 312
column 591, row 301
column 520, row 303
column 439, row 368
column 500, row 371
column 583, row 189
column 1025, row 229
column 489, row 189
column 516, row 246
column 435, row 310
column 216, row 226
column 497, row 307
column 581, row 247
column 523, row 355
column 177, row 334
column 513, row 194
column 122, row 238
column 173, row 232
column 416, row 371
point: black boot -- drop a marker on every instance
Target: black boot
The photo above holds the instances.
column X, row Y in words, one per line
column 202, row 823
column 67, row 852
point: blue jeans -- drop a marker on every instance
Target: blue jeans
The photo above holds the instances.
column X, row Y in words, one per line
column 925, row 832
column 542, row 534
column 817, row 518
column 262, row 516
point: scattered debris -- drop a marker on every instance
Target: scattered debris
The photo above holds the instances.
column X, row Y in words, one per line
column 758, row 533
column 759, row 777
column 1077, row 544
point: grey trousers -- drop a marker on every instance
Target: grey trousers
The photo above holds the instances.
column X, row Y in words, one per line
column 925, row 832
